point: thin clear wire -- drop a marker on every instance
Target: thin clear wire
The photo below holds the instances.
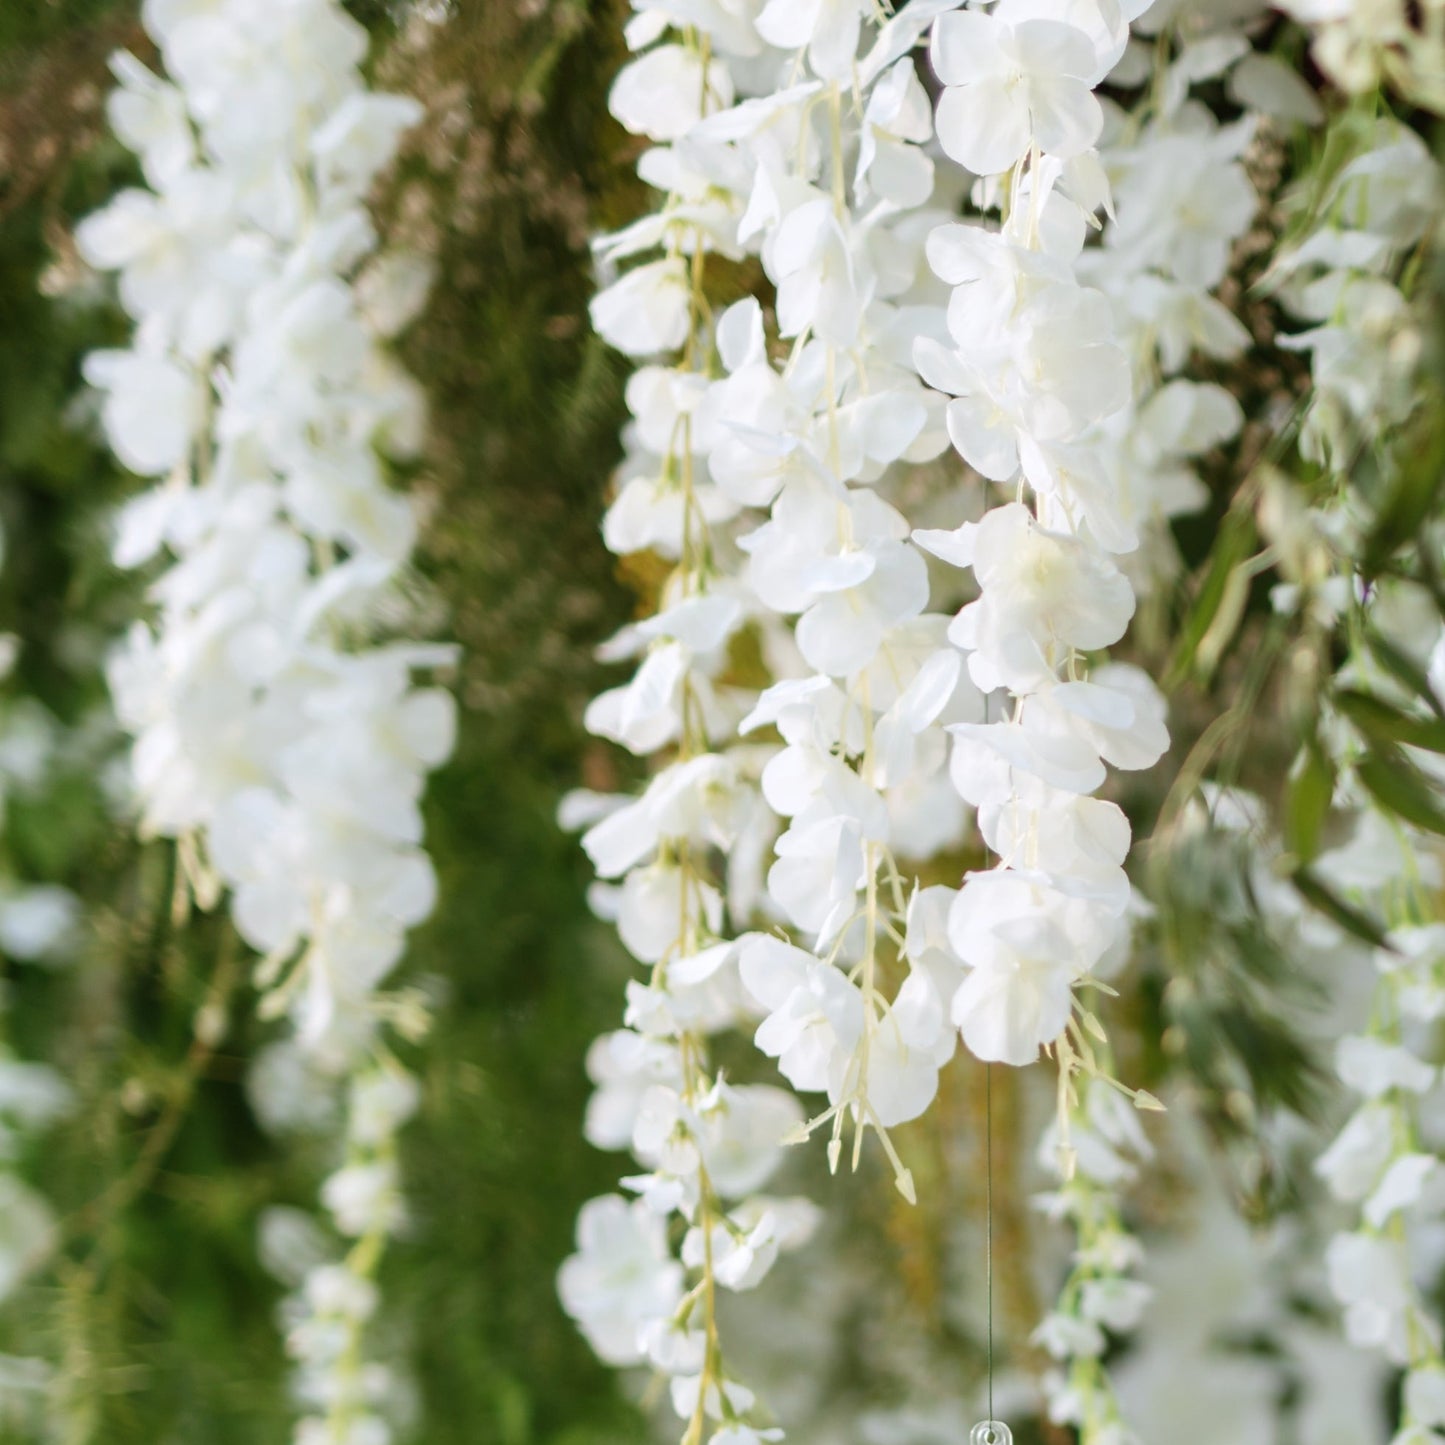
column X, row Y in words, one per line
column 988, row 1191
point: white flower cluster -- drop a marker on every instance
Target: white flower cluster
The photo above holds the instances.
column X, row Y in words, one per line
column 1102, row 1299
column 1364, row 350
column 280, row 744
column 1361, row 339
column 772, row 471
column 1385, row 1160
column 348, row 1398
column 1379, row 1163
column 1362, row 44
column 1181, row 201
column 1035, row 368
column 757, row 479
column 1218, row 1280
column 39, row 922
column 33, row 1098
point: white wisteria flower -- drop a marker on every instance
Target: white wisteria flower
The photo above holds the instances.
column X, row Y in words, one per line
column 622, row 1278
column 1011, row 85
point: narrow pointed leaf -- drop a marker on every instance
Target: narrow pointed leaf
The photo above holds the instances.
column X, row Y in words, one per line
column 1398, row 786
column 1380, row 722
column 1320, row 896
column 1307, row 802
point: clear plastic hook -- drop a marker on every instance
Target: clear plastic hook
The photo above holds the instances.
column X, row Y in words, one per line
column 991, row 1432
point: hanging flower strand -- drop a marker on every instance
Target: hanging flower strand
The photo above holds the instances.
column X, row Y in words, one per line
column 1164, row 257
column 868, row 680
column 866, row 677
column 863, row 747
column 280, row 744
column 708, row 1146
column 1032, row 364
column 1347, row 276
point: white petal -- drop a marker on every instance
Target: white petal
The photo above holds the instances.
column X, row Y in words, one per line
column 983, row 126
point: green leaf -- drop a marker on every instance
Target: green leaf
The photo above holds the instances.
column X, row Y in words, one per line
column 1320, row 896
column 1382, row 724
column 1399, row 787
column 1412, row 500
column 1307, row 801
column 1405, row 670
column 1236, row 537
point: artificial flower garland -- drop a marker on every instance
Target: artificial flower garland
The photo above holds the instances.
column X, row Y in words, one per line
column 279, row 739
column 824, row 177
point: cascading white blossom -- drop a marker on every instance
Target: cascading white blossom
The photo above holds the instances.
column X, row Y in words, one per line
column 1102, row 1297
column 856, row 1006
column 1344, row 278
column 764, row 148
column 1385, row 1160
column 280, row 744
column 1384, row 1164
column 769, row 467
column 1033, row 366
column 1180, row 202
column 1047, row 401
column 1341, row 280
column 757, row 479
